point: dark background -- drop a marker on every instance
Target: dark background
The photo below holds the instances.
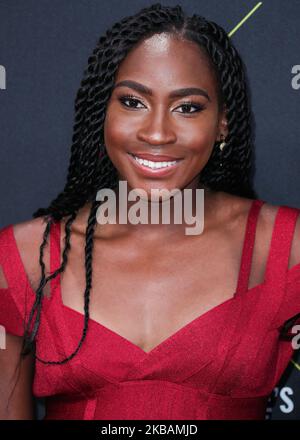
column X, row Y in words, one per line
column 44, row 48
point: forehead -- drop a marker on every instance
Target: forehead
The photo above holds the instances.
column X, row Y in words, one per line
column 165, row 62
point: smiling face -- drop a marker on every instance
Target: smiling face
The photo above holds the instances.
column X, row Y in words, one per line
column 150, row 115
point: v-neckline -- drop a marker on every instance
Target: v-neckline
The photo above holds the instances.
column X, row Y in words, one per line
column 55, row 249
column 165, row 342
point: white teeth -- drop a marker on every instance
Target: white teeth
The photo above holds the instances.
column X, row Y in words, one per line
column 154, row 165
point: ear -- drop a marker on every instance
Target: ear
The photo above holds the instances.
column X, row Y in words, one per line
column 222, row 125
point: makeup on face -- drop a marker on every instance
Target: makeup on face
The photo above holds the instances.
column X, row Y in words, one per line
column 162, row 122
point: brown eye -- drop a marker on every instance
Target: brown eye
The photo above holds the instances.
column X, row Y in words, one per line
column 188, row 105
column 130, row 99
column 131, row 102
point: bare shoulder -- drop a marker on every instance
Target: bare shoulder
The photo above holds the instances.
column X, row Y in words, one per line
column 236, row 209
column 295, row 247
column 29, row 233
column 267, row 221
column 231, row 209
column 29, row 237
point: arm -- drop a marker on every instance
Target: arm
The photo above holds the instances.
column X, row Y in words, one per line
column 16, row 398
column 16, row 274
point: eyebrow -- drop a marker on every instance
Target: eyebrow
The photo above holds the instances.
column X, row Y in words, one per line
column 179, row 93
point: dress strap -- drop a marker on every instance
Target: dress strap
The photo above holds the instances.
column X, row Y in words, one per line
column 55, row 255
column 248, row 246
column 282, row 236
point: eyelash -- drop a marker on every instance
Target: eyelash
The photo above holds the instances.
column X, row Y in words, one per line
column 198, row 106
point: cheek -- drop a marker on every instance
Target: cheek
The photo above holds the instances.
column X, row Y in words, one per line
column 117, row 138
column 196, row 137
column 117, row 132
column 200, row 138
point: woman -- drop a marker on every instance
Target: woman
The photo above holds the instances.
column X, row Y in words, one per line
column 142, row 321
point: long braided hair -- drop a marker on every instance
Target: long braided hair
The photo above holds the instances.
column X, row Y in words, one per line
column 90, row 168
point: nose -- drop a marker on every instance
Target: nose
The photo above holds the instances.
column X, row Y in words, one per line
column 156, row 129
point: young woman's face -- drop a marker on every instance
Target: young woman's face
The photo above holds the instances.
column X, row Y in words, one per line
column 155, row 121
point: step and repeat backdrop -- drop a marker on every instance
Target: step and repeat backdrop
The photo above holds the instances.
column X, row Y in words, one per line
column 44, row 47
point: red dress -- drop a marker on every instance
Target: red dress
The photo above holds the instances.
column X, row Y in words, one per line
column 222, row 365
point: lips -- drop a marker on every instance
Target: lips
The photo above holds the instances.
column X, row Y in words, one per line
column 152, row 171
column 155, row 157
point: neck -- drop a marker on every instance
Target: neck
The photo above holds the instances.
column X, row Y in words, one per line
column 174, row 212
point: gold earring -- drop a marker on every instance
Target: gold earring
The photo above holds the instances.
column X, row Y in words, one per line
column 221, row 146
column 223, row 143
